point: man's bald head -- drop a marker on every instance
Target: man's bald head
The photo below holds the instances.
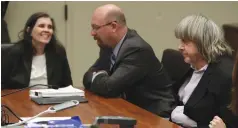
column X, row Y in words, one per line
column 111, row 12
column 108, row 25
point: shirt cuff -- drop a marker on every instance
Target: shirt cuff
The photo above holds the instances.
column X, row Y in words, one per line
column 95, row 74
column 180, row 118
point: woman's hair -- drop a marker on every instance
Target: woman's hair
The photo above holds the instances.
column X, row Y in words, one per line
column 25, row 34
column 207, row 36
column 234, row 99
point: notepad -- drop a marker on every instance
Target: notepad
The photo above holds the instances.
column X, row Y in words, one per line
column 61, row 92
column 57, row 100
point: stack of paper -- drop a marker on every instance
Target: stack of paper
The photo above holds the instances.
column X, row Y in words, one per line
column 61, row 92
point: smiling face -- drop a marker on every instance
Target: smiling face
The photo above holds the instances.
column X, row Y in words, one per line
column 42, row 31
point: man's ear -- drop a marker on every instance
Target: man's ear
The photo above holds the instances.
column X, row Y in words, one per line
column 114, row 26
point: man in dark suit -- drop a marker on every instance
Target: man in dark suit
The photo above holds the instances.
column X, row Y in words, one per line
column 127, row 65
column 204, row 91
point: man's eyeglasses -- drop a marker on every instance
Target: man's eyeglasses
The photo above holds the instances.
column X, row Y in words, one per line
column 97, row 27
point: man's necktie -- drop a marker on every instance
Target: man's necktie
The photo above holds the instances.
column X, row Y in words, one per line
column 113, row 59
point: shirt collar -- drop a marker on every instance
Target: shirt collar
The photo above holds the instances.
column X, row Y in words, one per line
column 117, row 48
column 203, row 69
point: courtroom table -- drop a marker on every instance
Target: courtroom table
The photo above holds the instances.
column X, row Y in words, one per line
column 22, row 105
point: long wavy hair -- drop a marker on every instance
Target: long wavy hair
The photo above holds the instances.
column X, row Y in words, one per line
column 234, row 99
column 25, row 35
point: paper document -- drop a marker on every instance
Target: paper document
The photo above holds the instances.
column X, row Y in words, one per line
column 44, row 119
column 53, row 122
column 66, row 91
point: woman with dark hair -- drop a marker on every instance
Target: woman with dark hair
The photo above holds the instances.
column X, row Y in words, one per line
column 37, row 58
column 217, row 122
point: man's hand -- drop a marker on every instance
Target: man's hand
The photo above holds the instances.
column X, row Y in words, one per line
column 97, row 73
column 217, row 122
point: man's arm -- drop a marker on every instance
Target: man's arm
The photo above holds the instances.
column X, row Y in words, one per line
column 102, row 63
column 130, row 70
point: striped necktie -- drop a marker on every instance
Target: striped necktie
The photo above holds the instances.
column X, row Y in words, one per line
column 113, row 59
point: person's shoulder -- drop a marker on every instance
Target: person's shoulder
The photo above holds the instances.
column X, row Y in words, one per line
column 134, row 40
column 225, row 65
column 60, row 49
column 221, row 74
column 222, row 70
column 133, row 37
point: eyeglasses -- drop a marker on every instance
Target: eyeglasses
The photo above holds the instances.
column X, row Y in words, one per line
column 97, row 27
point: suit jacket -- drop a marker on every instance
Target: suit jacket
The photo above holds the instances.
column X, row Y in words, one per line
column 137, row 73
column 16, row 68
column 212, row 94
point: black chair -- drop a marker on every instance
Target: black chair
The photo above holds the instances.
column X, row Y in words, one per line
column 174, row 64
column 231, row 36
column 4, row 55
column 4, row 50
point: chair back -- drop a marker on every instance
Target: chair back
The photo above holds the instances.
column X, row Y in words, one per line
column 174, row 64
column 231, row 35
column 4, row 50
